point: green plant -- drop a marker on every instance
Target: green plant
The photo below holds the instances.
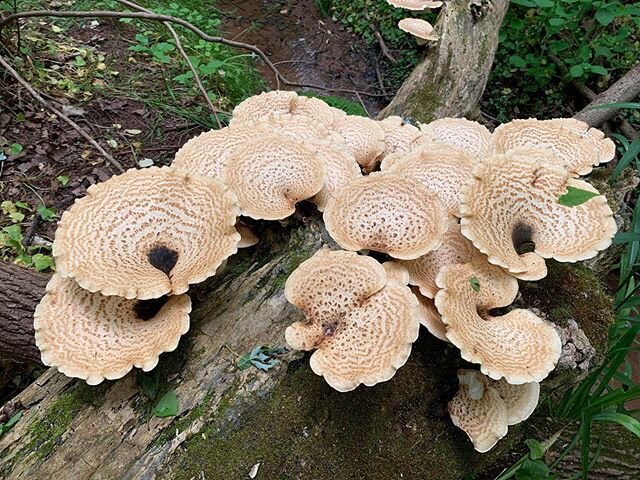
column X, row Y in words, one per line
column 348, row 106
column 5, row 427
column 261, row 357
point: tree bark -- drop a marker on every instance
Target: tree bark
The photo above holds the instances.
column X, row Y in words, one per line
column 21, row 292
column 451, row 79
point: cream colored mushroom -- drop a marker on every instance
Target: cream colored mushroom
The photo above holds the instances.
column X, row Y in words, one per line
column 429, row 316
column 398, row 135
column 478, row 410
column 342, row 168
column 247, row 237
column 414, row 4
column 396, row 272
column 420, row 29
column 147, row 233
column 471, row 136
column 363, row 137
column 518, row 346
column 317, row 110
column 387, row 213
column 521, row 400
column 93, row 337
column 443, row 169
column 270, row 175
column 360, row 324
column 513, row 201
column 274, row 102
column 605, row 146
column 577, row 152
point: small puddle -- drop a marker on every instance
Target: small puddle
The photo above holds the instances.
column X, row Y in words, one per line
column 304, row 45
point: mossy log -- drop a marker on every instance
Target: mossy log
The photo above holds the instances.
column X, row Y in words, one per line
column 451, row 78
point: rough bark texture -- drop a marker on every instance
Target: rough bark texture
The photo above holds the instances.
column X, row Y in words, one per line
column 450, row 80
column 21, row 291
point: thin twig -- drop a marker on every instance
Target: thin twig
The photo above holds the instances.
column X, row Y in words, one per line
column 61, row 115
column 184, row 55
column 167, row 18
column 383, row 46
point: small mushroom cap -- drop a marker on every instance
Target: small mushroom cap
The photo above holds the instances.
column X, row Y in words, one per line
column 471, row 136
column 398, row 135
column 342, row 168
column 414, row 4
column 93, row 337
column 247, row 237
column 396, row 272
column 418, row 28
column 478, row 410
column 455, row 249
column 147, row 233
column 274, row 102
column 270, row 175
column 577, row 152
column 443, row 169
column 521, row 400
column 513, row 201
column 518, row 346
column 429, row 316
column 387, row 213
column 363, row 137
column 361, row 324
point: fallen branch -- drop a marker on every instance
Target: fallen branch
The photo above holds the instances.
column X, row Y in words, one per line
column 184, row 55
column 280, row 79
column 383, row 46
column 32, row 91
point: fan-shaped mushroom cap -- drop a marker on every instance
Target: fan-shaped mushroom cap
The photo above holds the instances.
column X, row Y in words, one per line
column 274, row 102
column 414, row 4
column 363, row 137
column 361, row 324
column 342, row 168
column 93, row 337
column 398, row 135
column 396, row 272
column 455, row 249
column 207, row 153
column 270, row 175
column 471, row 136
column 514, row 200
column 578, row 153
column 247, row 237
column 521, row 400
column 429, row 316
column 443, row 169
column 147, row 233
column 518, row 346
column 605, row 146
column 386, row 213
column 317, row 110
column 478, row 410
column 421, row 29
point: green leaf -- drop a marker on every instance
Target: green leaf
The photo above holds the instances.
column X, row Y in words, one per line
column 13, row 420
column 575, row 196
column 42, row 262
column 632, row 152
column 475, row 284
column 47, row 214
column 517, row 61
column 149, row 382
column 14, row 232
column 536, row 449
column 8, row 207
column 556, row 22
column 63, row 179
column 23, row 205
column 15, row 148
column 167, row 406
column 598, row 70
column 544, row 3
column 532, row 470
column 605, row 16
column 16, row 217
column 79, row 61
column 576, row 71
column 627, row 421
column 261, row 357
column 524, row 3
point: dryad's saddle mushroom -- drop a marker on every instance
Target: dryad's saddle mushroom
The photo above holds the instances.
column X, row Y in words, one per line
column 414, row 4
column 360, row 323
column 147, row 233
column 420, row 29
column 471, row 136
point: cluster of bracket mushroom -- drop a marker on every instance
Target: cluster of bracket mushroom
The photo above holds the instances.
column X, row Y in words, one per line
column 419, row 28
column 456, row 215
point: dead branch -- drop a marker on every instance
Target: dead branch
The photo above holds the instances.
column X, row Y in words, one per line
column 280, row 78
column 383, row 46
column 32, row 91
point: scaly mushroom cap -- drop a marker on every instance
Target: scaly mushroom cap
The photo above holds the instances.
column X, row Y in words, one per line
column 521, row 400
column 478, row 410
column 317, row 110
column 471, row 136
column 270, row 175
column 387, row 213
column 578, row 153
column 363, row 137
column 247, row 237
column 147, row 233
column 443, row 169
column 414, row 4
column 605, row 146
column 518, row 346
column 512, row 201
column 421, row 29
column 429, row 316
column 342, row 168
column 396, row 272
column 93, row 337
column 455, row 249
column 398, row 135
column 275, row 102
column 361, row 324
column 207, row 153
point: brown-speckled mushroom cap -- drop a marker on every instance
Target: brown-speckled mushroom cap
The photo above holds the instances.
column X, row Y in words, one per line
column 275, row 102
column 429, row 316
column 513, row 201
column 471, row 136
column 361, row 324
column 93, row 337
column 414, row 4
column 342, row 168
column 478, row 410
column 387, row 213
column 421, row 29
column 398, row 135
column 521, row 400
column 455, row 249
column 147, row 233
column 316, row 109
column 363, row 137
column 271, row 174
column 396, row 272
column 518, row 346
column 578, row 153
column 443, row 169
column 605, row 146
